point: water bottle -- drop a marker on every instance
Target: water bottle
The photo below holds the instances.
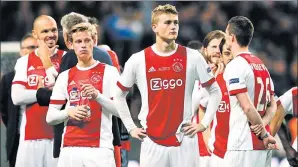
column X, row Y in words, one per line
column 84, row 100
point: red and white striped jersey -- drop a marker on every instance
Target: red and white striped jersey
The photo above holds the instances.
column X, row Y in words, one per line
column 289, row 101
column 97, row 132
column 246, row 73
column 220, row 129
column 32, row 116
column 166, row 83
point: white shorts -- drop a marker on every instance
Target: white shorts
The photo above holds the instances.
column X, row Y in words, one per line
column 268, row 158
column 205, row 161
column 246, row 158
column 86, row 156
column 216, row 161
column 36, row 153
column 155, row 155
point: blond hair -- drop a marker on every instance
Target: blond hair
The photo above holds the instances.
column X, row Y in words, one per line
column 82, row 28
column 162, row 9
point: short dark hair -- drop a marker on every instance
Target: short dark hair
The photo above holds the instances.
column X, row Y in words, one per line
column 26, row 36
column 242, row 28
column 216, row 34
column 222, row 43
column 93, row 21
column 195, row 44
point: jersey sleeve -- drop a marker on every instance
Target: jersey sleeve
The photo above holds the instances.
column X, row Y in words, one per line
column 286, row 101
column 59, row 96
column 19, row 84
column 271, row 90
column 234, row 76
column 203, row 70
column 20, row 68
column 128, row 77
column 204, row 99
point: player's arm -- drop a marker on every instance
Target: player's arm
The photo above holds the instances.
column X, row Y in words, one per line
column 20, row 95
column 106, row 102
column 59, row 95
column 270, row 111
column 291, row 153
column 284, row 104
column 208, row 81
column 125, row 82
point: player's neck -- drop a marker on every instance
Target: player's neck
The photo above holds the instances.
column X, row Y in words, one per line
column 86, row 63
column 164, row 47
column 238, row 50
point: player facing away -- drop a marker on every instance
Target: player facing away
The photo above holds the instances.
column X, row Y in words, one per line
column 87, row 138
column 251, row 99
column 31, row 70
column 286, row 104
column 165, row 74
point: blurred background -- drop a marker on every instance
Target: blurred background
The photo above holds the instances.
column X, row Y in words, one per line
column 126, row 28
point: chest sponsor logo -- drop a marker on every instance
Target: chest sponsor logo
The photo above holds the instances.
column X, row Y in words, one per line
column 223, row 107
column 159, row 84
column 33, row 80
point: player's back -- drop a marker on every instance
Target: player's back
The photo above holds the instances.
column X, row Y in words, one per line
column 246, row 73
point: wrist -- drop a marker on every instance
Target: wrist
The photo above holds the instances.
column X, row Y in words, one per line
column 263, row 136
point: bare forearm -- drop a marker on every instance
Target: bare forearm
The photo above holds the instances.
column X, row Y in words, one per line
column 270, row 111
column 283, row 135
column 46, row 62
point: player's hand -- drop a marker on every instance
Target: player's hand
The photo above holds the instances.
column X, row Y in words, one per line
column 269, row 142
column 292, row 156
column 220, row 69
column 193, row 128
column 40, row 82
column 44, row 51
column 257, row 129
column 89, row 91
column 138, row 133
column 78, row 113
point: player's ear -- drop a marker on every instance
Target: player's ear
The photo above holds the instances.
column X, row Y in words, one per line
column 34, row 34
column 154, row 27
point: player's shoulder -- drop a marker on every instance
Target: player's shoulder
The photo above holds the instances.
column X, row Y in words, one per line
column 23, row 61
column 136, row 58
column 238, row 63
column 110, row 69
column 192, row 52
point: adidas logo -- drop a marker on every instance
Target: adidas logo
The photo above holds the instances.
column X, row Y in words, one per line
column 31, row 68
column 152, row 69
column 72, row 83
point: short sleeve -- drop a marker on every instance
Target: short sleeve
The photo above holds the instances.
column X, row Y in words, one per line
column 128, row 77
column 21, row 71
column 271, row 87
column 234, row 76
column 203, row 70
column 286, row 101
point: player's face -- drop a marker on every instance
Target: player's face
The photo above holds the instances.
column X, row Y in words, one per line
column 167, row 27
column 47, row 31
column 212, row 51
column 28, row 46
column 226, row 54
column 83, row 45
